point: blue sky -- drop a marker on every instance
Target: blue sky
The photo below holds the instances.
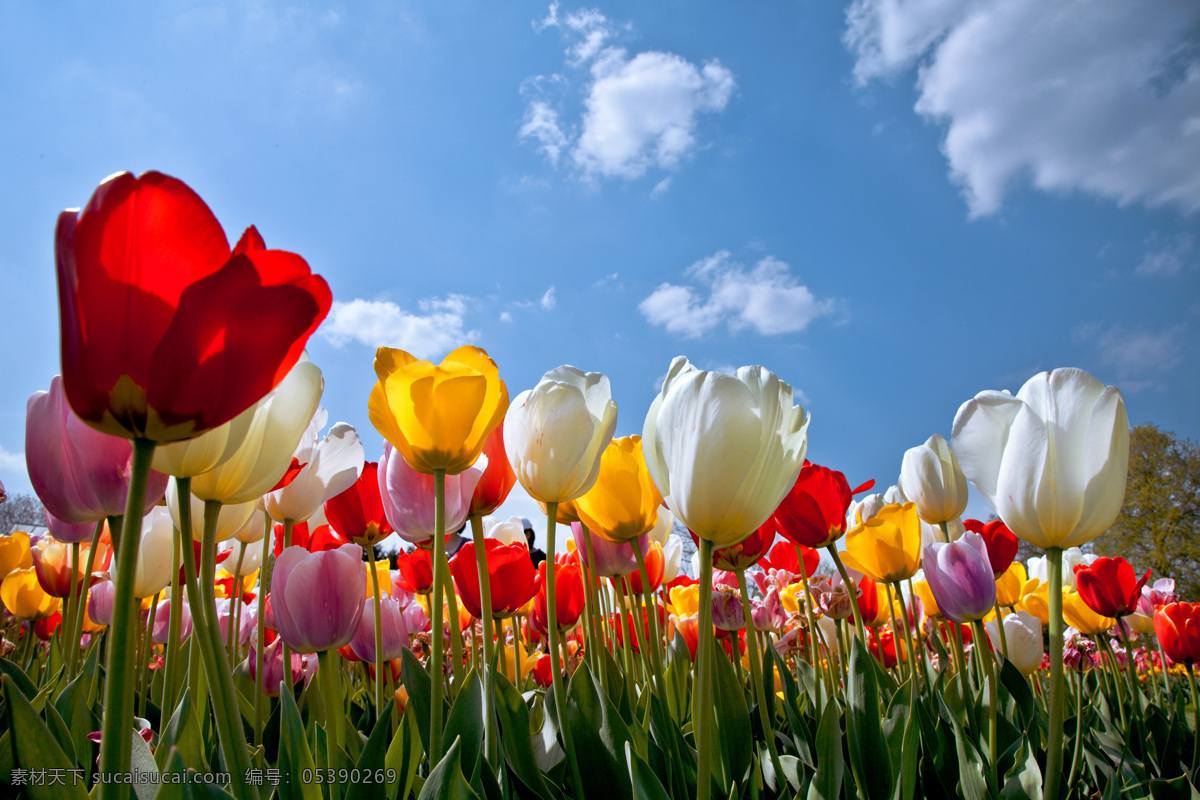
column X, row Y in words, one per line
column 892, row 205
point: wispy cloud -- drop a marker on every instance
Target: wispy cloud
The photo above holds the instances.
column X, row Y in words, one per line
column 11, row 462
column 767, row 298
column 548, row 301
column 434, row 331
column 1074, row 96
column 1168, row 258
column 639, row 111
column 1140, row 358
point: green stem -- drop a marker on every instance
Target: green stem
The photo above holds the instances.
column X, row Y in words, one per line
column 81, row 606
column 1131, row 668
column 490, row 740
column 702, row 708
column 171, row 652
column 654, row 641
column 1117, row 680
column 264, row 586
column 1000, row 630
column 756, row 677
column 560, row 693
column 813, row 650
column 116, row 743
column 1057, row 702
column 235, row 602
column 989, row 668
column 436, row 646
column 852, row 589
column 287, row 651
column 456, row 636
column 598, row 626
column 1195, row 721
column 69, row 611
column 378, row 634
column 914, row 659
column 964, row 683
column 331, row 699
column 1078, row 745
column 147, row 651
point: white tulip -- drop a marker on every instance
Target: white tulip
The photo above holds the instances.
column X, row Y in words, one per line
column 555, row 433
column 1023, row 633
column 862, row 510
column 331, row 466
column 230, row 521
column 1052, row 461
column 661, row 532
column 672, row 554
column 509, row 531
column 154, row 554
column 705, row 427
column 931, row 477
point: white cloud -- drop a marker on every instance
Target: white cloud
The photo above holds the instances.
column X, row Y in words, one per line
column 429, row 334
column 1139, row 358
column 548, row 301
column 505, row 316
column 11, row 462
column 1072, row 95
column 639, row 112
column 799, row 396
column 1168, row 258
column 661, row 187
column 767, row 298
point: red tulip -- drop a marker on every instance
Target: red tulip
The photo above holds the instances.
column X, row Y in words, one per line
column 1109, row 586
column 689, row 629
column 654, row 570
column 882, row 644
column 416, row 571
column 45, row 628
column 166, row 333
column 322, row 538
column 498, row 478
column 568, row 594
column 637, row 624
column 357, row 513
column 868, row 599
column 783, row 557
column 745, row 553
column 542, row 668
column 1001, row 543
column 511, row 577
column 1177, row 626
column 814, row 512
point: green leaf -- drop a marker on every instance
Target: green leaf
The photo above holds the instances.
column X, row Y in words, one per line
column 1024, row 780
column 446, row 781
column 910, row 755
column 72, row 705
column 36, row 747
column 54, row 722
column 420, row 692
column 1176, row 789
column 870, row 760
column 183, row 733
column 827, row 782
column 733, row 720
column 372, row 756
column 1018, row 688
column 403, row 756
column 294, row 755
column 646, row 785
column 971, row 785
column 19, row 677
column 599, row 735
column 185, row 789
column 466, row 722
column 515, row 737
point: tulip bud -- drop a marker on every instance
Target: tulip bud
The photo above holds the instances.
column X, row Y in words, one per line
column 931, row 477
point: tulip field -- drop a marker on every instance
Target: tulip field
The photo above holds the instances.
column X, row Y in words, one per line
column 208, row 615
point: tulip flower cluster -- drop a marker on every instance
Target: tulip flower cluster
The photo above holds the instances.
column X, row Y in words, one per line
column 217, row 588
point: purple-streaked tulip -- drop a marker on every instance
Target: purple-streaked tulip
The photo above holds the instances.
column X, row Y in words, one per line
column 69, row 532
column 394, row 628
column 612, row 560
column 1023, row 632
column 162, row 621
column 317, row 598
column 727, row 613
column 960, row 577
column 80, row 474
column 769, row 615
column 415, row 618
column 303, row 666
column 408, row 496
column 247, row 627
column 100, row 602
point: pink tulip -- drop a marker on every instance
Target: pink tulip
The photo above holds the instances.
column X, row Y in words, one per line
column 769, row 615
column 961, row 578
column 80, row 474
column 162, row 622
column 408, row 496
column 612, row 560
column 395, row 630
column 727, row 613
column 303, row 666
column 100, row 602
column 69, row 532
column 317, row 598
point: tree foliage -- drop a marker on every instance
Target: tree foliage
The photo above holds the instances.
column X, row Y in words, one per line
column 21, row 511
column 1159, row 525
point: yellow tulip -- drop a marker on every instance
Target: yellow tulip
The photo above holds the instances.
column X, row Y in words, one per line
column 14, row 553
column 24, row 597
column 928, row 602
column 623, row 502
column 437, row 416
column 383, row 570
column 567, row 513
column 887, row 547
column 884, row 615
column 1035, row 600
column 510, row 656
column 1010, row 584
column 791, row 597
column 685, row 600
column 1080, row 616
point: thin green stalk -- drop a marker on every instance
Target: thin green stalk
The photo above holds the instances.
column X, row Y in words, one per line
column 593, row 592
column 235, row 602
column 287, row 542
column 989, row 669
column 1057, row 702
column 81, row 606
column 632, row 633
column 117, row 724
column 147, row 650
column 378, row 634
column 887, row 590
column 560, row 694
column 331, row 699
column 814, row 651
column 1131, row 667
column 436, row 646
column 654, row 641
column 853, row 592
column 1117, row 680
column 65, row 628
column 913, row 658
column 490, row 734
column 964, row 684
column 264, row 586
column 1078, row 745
column 1000, row 629
column 702, row 708
column 171, row 652
column 1195, row 721
column 756, row 676
column 456, row 637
